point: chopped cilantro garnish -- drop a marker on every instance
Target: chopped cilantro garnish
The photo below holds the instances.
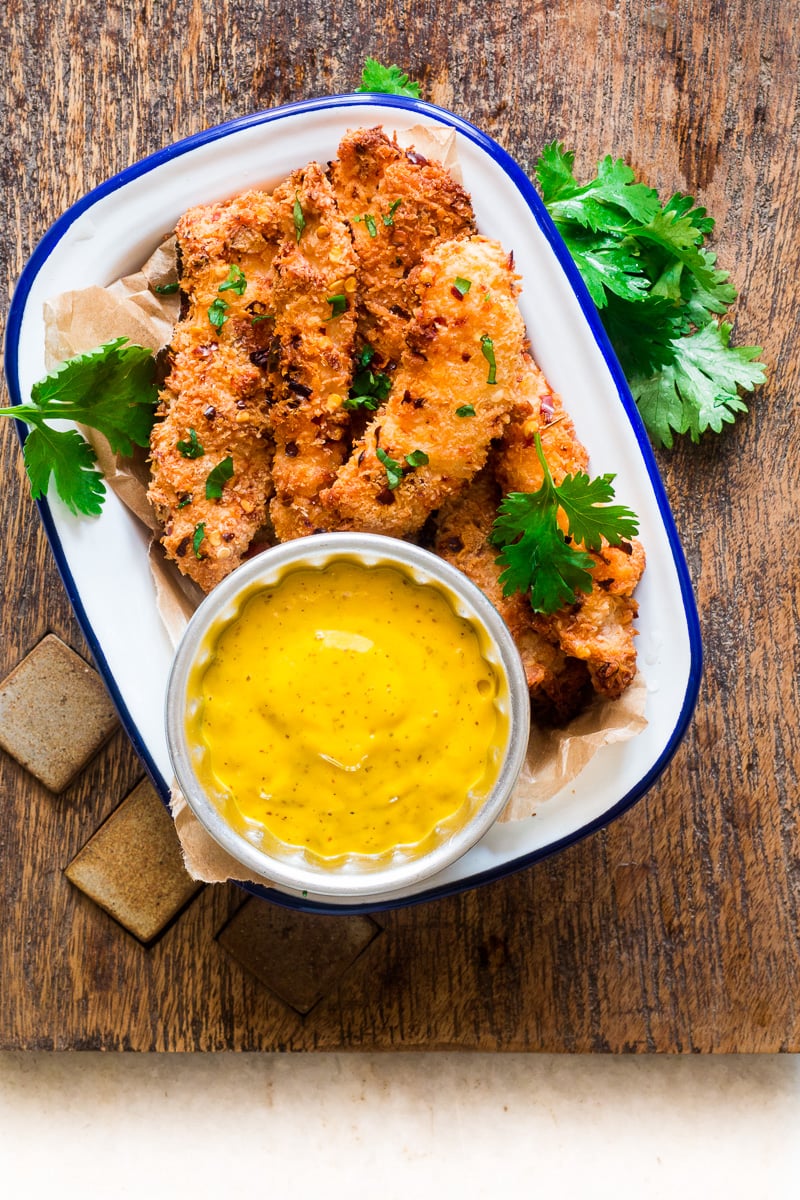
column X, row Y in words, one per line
column 218, row 477
column 111, row 389
column 372, row 228
column 185, row 500
column 166, row 289
column 487, row 350
column 417, row 458
column 536, row 555
column 297, row 217
column 235, row 282
column 368, row 388
column 462, row 285
column 218, row 312
column 466, row 410
column 338, row 305
column 256, row 317
column 192, row 447
column 388, row 218
column 197, row 539
column 394, row 469
column 390, row 80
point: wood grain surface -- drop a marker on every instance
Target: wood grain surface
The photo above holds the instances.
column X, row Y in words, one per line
column 675, row 929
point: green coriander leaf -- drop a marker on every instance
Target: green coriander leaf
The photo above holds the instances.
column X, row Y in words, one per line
column 540, row 562
column 70, row 459
column 366, row 356
column 699, row 389
column 218, row 477
column 536, row 556
column 388, row 218
column 610, row 201
column 590, row 515
column 554, row 172
column 466, row 410
column 462, row 286
column 338, row 305
column 297, row 217
column 353, row 403
column 218, row 312
column 417, row 458
column 192, row 447
column 389, row 80
column 372, row 228
column 166, row 289
column 643, row 334
column 197, row 539
column 185, row 500
column 394, row 470
column 256, row 317
column 111, row 389
column 487, row 350
column 605, row 264
column 235, row 282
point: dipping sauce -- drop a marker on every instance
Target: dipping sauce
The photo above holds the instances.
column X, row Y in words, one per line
column 348, row 711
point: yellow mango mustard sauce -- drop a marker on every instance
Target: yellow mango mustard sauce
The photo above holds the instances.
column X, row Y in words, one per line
column 348, row 711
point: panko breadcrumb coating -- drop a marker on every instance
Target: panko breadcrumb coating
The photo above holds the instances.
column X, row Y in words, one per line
column 214, row 401
column 444, row 370
column 315, row 278
column 400, row 205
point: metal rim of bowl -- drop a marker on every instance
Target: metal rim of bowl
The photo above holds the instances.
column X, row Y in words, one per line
column 317, row 551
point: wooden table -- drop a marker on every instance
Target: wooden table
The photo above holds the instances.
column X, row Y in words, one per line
column 676, row 929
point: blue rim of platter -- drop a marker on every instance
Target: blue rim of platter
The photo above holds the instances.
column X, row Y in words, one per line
column 526, row 189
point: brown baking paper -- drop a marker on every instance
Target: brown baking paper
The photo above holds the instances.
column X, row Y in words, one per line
column 78, row 321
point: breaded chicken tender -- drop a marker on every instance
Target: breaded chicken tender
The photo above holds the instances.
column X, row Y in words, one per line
column 598, row 627
column 452, row 394
column 314, row 329
column 559, row 686
column 213, row 411
column 400, row 205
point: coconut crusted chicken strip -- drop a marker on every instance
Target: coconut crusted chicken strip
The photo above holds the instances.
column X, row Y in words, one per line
column 400, row 205
column 598, row 627
column 452, row 393
column 314, row 328
column 559, row 686
column 213, row 404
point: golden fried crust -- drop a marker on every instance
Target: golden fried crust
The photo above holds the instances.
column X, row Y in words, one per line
column 559, row 686
column 538, row 410
column 216, row 387
column 598, row 628
column 413, row 205
column 443, row 370
column 315, row 349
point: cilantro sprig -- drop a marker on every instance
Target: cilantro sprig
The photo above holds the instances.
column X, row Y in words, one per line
column 111, row 389
column 536, row 554
column 389, row 80
column 659, row 292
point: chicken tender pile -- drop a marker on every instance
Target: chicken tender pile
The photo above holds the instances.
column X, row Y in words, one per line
column 350, row 355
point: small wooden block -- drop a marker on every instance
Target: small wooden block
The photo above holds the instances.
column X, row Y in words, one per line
column 55, row 713
column 133, row 867
column 299, row 956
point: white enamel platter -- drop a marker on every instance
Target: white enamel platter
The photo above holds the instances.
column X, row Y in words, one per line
column 103, row 561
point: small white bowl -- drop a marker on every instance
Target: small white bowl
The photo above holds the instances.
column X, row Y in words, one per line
column 354, row 877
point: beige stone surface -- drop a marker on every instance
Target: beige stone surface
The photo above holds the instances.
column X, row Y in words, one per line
column 133, row 867
column 55, row 713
